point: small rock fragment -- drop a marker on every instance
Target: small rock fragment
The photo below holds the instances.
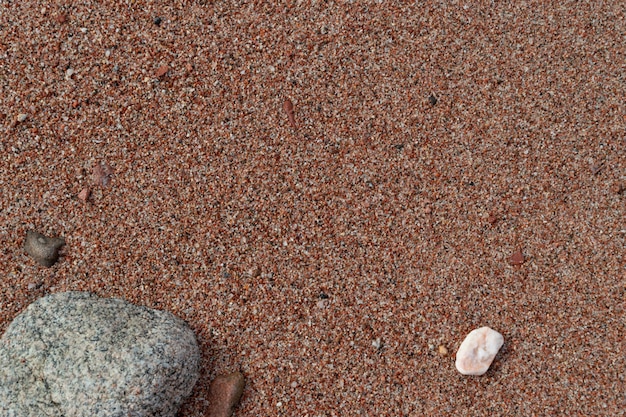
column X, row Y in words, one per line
column 225, row 393
column 157, row 21
column 34, row 285
column 432, row 99
column 443, row 351
column 517, row 258
column 161, row 71
column 43, row 249
column 101, row 174
column 84, row 194
column 254, row 272
column 478, row 350
column 288, row 108
column 22, row 117
column 61, row 18
column 378, row 343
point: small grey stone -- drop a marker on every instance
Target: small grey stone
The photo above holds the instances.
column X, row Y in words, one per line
column 74, row 354
column 43, row 249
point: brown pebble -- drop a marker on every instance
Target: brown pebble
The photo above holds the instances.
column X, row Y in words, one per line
column 101, row 174
column 493, row 218
column 61, row 18
column 84, row 194
column 443, row 351
column 288, row 107
column 43, row 249
column 225, row 393
column 517, row 258
column 161, row 71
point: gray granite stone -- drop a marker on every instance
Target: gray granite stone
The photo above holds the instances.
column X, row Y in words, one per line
column 74, row 354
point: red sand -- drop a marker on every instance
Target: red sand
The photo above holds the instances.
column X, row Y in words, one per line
column 382, row 219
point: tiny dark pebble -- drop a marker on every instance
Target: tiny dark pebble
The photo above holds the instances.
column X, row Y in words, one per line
column 43, row 249
column 157, row 21
column 432, row 99
column 323, row 296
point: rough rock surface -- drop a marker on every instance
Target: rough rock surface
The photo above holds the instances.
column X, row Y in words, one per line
column 74, row 354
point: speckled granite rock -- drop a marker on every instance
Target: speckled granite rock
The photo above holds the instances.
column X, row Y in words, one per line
column 75, row 354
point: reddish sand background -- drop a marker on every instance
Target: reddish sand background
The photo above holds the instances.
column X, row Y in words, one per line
column 381, row 217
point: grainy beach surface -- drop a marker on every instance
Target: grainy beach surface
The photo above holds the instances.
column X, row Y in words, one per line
column 333, row 195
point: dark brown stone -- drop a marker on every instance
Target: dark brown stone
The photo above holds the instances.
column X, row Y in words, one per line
column 225, row 393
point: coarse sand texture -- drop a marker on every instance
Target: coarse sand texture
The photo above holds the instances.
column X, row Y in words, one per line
column 332, row 194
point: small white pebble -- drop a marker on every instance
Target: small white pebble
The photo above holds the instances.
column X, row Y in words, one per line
column 21, row 117
column 478, row 350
